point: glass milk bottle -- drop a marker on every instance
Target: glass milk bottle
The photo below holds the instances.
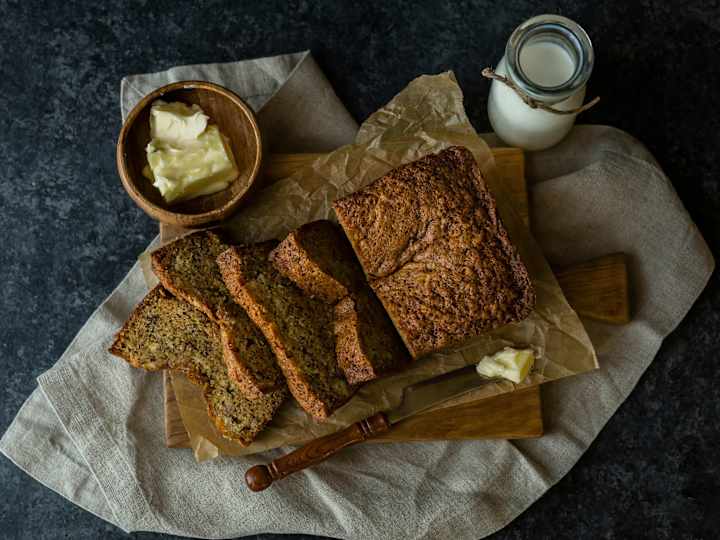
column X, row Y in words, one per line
column 549, row 59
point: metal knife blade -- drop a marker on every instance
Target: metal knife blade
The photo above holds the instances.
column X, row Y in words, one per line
column 425, row 394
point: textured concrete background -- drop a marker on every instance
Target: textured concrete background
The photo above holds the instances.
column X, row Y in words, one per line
column 70, row 233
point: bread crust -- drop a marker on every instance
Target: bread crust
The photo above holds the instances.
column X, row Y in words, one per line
column 318, row 258
column 366, row 342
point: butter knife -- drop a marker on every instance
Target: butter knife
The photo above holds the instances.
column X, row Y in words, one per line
column 416, row 398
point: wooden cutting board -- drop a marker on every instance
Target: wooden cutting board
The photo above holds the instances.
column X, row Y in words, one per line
column 597, row 289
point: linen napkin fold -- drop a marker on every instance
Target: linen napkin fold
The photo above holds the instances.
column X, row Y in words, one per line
column 93, row 429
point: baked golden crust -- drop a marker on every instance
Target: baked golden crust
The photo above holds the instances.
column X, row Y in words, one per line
column 187, row 268
column 318, row 258
column 298, row 327
column 366, row 342
column 431, row 242
column 164, row 332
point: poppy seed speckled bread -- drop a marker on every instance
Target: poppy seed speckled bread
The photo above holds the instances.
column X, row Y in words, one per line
column 367, row 344
column 298, row 327
column 430, row 240
column 318, row 258
column 164, row 332
column 187, row 268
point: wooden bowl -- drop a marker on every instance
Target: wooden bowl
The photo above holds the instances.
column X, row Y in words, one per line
column 235, row 120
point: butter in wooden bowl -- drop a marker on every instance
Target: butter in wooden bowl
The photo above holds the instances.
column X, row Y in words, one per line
column 187, row 155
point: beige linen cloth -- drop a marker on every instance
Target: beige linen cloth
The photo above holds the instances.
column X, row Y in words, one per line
column 93, row 430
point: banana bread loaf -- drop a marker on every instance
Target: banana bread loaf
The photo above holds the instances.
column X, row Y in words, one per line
column 187, row 268
column 430, row 240
column 318, row 258
column 164, row 332
column 298, row 327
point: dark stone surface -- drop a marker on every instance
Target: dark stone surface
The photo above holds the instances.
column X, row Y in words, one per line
column 71, row 234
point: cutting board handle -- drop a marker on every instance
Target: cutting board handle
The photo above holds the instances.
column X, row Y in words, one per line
column 260, row 477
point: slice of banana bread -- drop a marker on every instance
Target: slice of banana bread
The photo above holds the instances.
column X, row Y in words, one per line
column 431, row 242
column 366, row 342
column 164, row 332
column 319, row 259
column 187, row 268
column 298, row 327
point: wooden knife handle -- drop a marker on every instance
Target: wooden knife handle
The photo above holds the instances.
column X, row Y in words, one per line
column 260, row 477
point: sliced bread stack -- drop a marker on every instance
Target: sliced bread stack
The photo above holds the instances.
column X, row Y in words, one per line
column 318, row 258
column 189, row 323
column 165, row 332
column 187, row 268
column 249, row 322
column 297, row 326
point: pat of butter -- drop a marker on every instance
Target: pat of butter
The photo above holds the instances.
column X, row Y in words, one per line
column 509, row 363
column 176, row 122
column 186, row 157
